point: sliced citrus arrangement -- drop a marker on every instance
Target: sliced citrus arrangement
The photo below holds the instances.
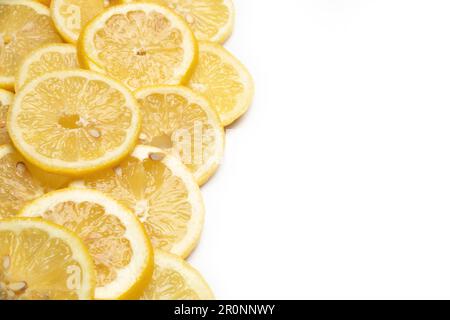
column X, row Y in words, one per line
column 21, row 182
column 140, row 44
column 42, row 261
column 114, row 237
column 24, row 26
column 163, row 194
column 175, row 279
column 6, row 99
column 70, row 16
column 49, row 58
column 74, row 122
column 210, row 20
column 225, row 81
column 182, row 122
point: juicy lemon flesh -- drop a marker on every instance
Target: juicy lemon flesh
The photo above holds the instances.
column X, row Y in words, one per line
column 35, row 266
column 51, row 61
column 168, row 284
column 102, row 233
column 140, row 48
column 175, row 279
column 76, row 14
column 21, row 30
column 172, row 123
column 21, row 182
column 158, row 198
column 219, row 81
column 206, row 18
column 74, row 119
column 5, row 103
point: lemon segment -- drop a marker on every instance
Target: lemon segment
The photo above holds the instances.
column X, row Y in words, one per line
column 74, row 122
column 115, row 239
column 42, row 261
column 71, row 16
column 24, row 26
column 183, row 123
column 224, row 80
column 161, row 192
column 175, row 279
column 210, row 20
column 22, row 182
column 139, row 44
column 49, row 58
column 6, row 99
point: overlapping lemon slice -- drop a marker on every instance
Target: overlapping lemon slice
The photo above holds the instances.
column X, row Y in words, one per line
column 175, row 279
column 71, row 16
column 74, row 122
column 42, row 261
column 161, row 192
column 49, row 58
column 6, row 99
column 211, row 20
column 21, row 182
column 225, row 81
column 183, row 123
column 24, row 26
column 116, row 240
column 139, row 44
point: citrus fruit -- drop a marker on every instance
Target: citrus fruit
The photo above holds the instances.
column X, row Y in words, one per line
column 139, row 44
column 71, row 16
column 114, row 237
column 42, row 261
column 74, row 122
column 52, row 57
column 221, row 78
column 21, row 182
column 210, row 20
column 182, row 122
column 46, row 2
column 6, row 99
column 161, row 192
column 175, row 279
column 24, row 26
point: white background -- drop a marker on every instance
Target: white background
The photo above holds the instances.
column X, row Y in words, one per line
column 336, row 184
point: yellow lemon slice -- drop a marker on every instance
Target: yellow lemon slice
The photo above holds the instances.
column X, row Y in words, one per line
column 175, row 279
column 21, row 182
column 161, row 192
column 42, row 261
column 182, row 122
column 210, row 20
column 139, row 44
column 221, row 78
column 6, row 98
column 24, row 26
column 115, row 239
column 74, row 122
column 71, row 16
column 49, row 58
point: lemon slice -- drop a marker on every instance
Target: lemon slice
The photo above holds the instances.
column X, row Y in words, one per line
column 21, row 182
column 24, row 26
column 161, row 192
column 71, row 16
column 182, row 122
column 210, row 20
column 74, row 122
column 6, row 99
column 175, row 279
column 139, row 44
column 52, row 57
column 115, row 239
column 221, row 78
column 42, row 261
